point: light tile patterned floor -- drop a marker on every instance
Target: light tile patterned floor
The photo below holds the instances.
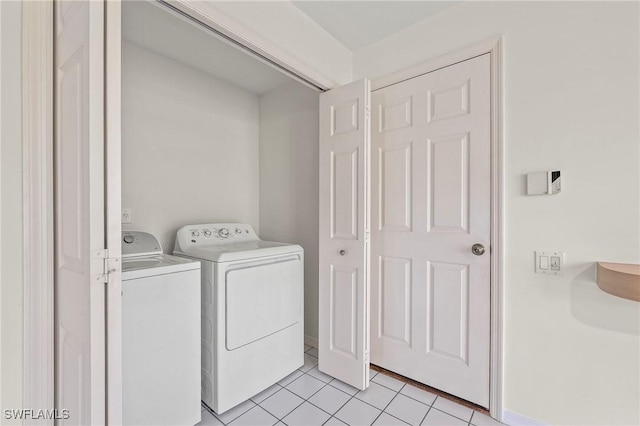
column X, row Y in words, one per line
column 309, row 397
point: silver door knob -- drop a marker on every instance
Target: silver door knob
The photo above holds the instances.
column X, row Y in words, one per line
column 342, row 252
column 477, row 249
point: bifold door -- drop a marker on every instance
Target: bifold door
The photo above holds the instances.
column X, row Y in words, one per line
column 344, row 233
column 79, row 201
column 83, row 211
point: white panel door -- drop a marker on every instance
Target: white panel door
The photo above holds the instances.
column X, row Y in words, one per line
column 79, row 211
column 430, row 205
column 344, row 233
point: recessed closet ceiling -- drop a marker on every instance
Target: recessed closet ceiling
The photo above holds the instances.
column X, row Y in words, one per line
column 151, row 26
column 356, row 24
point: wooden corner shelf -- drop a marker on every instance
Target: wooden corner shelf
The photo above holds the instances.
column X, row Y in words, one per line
column 620, row 279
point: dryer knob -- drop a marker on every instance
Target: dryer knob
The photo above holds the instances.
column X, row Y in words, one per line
column 207, row 233
column 195, row 234
column 238, row 231
column 224, row 232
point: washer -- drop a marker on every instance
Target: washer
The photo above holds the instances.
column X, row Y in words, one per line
column 160, row 334
column 252, row 310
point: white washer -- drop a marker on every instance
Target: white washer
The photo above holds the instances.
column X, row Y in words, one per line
column 252, row 310
column 160, row 334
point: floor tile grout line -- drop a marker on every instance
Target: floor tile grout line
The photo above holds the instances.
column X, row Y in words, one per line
column 305, row 400
column 427, row 413
column 403, row 384
column 389, row 403
column 325, row 384
column 417, row 400
column 342, row 406
column 452, row 415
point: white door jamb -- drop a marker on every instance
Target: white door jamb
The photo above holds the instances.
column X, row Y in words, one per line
column 37, row 112
column 493, row 46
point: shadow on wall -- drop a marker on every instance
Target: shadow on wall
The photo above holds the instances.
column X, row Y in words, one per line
column 594, row 307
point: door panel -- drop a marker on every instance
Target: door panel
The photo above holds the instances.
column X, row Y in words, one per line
column 344, row 195
column 394, row 310
column 430, row 204
column 79, row 215
column 344, row 232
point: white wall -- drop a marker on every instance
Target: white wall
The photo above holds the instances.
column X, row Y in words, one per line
column 289, row 180
column 11, row 245
column 189, row 147
column 572, row 76
column 282, row 25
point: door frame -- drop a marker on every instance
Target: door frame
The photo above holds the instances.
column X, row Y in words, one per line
column 38, row 180
column 493, row 46
column 38, row 208
column 38, row 204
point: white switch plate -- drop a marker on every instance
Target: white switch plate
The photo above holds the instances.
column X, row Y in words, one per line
column 127, row 215
column 549, row 262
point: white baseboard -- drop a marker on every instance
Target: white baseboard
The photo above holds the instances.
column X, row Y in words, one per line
column 311, row 341
column 516, row 419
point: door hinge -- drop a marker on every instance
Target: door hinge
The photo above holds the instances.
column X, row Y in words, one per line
column 110, row 264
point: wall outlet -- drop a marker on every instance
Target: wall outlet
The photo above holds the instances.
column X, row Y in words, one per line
column 549, row 262
column 127, row 215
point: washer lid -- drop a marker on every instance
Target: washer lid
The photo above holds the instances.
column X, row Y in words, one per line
column 145, row 266
column 139, row 243
column 240, row 251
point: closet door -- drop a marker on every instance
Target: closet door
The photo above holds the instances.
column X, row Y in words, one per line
column 344, row 233
column 87, row 228
column 431, row 202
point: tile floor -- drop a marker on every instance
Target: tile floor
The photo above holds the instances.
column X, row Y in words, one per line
column 309, row 397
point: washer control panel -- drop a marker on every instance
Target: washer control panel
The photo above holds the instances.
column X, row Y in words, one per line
column 216, row 233
column 139, row 243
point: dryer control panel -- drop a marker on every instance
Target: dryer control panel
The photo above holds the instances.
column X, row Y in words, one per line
column 215, row 234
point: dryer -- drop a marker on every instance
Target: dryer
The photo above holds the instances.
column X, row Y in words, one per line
column 252, row 310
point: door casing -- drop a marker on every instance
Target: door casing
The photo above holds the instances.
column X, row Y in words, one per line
column 493, row 46
column 40, row 333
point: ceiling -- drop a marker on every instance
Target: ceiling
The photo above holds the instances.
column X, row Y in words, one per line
column 154, row 27
column 357, row 24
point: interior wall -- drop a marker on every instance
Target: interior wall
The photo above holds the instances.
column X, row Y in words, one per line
column 11, row 238
column 281, row 24
column 289, row 180
column 571, row 85
column 189, row 147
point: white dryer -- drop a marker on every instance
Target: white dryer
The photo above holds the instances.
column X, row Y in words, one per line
column 252, row 310
column 160, row 334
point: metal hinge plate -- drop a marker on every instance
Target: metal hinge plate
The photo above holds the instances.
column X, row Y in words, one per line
column 111, row 264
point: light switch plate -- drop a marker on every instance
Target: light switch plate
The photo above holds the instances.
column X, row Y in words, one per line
column 549, row 262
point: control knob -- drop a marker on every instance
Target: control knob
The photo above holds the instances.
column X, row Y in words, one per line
column 223, row 233
column 207, row 233
column 238, row 231
column 195, row 234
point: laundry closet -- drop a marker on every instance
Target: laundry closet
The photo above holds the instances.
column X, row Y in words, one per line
column 212, row 134
column 397, row 177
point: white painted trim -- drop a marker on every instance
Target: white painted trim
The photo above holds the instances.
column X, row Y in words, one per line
column 243, row 36
column 515, row 419
column 37, row 95
column 311, row 341
column 496, row 382
column 487, row 46
column 1, row 256
column 492, row 46
column 113, row 194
